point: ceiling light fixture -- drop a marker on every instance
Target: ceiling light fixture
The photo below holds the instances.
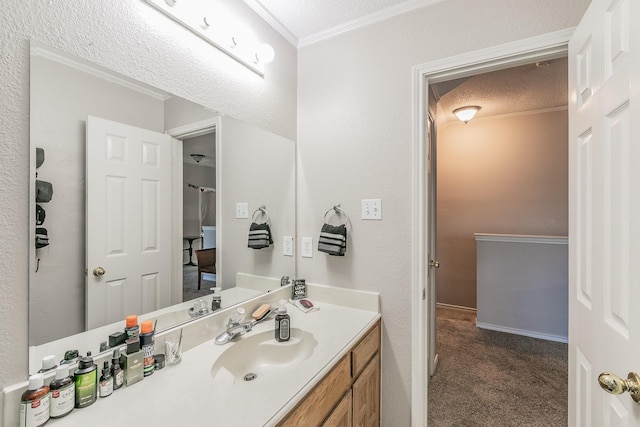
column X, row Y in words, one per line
column 214, row 28
column 465, row 114
column 198, row 157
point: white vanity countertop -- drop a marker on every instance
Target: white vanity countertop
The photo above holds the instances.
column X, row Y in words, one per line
column 186, row 393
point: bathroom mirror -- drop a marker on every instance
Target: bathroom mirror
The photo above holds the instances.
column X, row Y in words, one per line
column 205, row 191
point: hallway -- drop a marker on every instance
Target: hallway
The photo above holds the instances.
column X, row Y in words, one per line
column 488, row 378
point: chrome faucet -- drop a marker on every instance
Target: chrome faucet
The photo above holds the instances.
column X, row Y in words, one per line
column 236, row 327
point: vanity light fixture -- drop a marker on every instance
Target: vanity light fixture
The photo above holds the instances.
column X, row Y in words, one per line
column 198, row 157
column 465, row 114
column 253, row 56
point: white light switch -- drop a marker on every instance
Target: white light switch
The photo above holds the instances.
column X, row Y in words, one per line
column 307, row 247
column 371, row 208
column 287, row 245
column 242, row 210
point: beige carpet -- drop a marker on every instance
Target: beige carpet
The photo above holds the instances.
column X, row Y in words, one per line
column 488, row 378
column 190, row 284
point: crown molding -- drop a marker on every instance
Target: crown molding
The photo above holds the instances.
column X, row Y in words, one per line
column 367, row 20
column 48, row 53
column 271, row 20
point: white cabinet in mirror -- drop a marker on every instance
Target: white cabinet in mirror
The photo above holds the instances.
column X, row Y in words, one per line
column 141, row 217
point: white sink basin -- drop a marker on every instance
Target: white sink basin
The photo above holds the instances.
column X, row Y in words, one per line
column 260, row 354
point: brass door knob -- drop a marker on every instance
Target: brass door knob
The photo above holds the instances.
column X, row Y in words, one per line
column 613, row 384
column 434, row 264
column 98, row 271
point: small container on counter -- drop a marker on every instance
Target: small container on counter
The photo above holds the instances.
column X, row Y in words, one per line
column 63, row 393
column 131, row 329
column 86, row 381
column 35, row 403
column 48, row 363
column 283, row 323
column 147, row 342
column 106, row 381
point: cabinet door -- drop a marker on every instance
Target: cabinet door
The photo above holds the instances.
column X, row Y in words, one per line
column 366, row 396
column 341, row 415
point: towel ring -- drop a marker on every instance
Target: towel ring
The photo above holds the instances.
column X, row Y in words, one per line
column 262, row 210
column 337, row 210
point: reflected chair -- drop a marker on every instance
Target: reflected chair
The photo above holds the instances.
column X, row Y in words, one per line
column 206, row 262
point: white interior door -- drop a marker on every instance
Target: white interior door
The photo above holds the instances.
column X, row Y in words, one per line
column 432, row 259
column 604, row 232
column 129, row 210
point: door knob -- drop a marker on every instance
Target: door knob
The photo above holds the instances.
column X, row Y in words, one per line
column 434, row 264
column 98, row 271
column 613, row 384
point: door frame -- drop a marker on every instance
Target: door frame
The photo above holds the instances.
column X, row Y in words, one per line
column 539, row 48
column 191, row 130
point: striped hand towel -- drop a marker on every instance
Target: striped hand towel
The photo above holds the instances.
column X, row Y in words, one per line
column 333, row 239
column 259, row 236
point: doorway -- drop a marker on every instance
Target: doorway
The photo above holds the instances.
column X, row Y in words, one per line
column 199, row 214
column 542, row 48
column 503, row 174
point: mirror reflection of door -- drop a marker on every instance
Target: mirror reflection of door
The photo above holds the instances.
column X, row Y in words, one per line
column 128, row 206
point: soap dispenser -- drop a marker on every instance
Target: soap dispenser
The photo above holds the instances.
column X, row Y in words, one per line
column 283, row 322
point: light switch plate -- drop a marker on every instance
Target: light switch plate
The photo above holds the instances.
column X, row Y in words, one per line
column 242, row 210
column 287, row 245
column 371, row 208
column 307, row 247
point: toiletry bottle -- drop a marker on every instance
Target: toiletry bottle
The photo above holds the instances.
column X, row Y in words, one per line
column 70, row 357
column 216, row 299
column 86, row 380
column 147, row 343
column 282, row 322
column 34, row 404
column 63, row 393
column 48, row 363
column 116, row 371
column 132, row 329
column 106, row 381
column 131, row 362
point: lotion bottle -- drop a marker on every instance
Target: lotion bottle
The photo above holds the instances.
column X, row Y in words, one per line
column 34, row 404
column 283, row 323
column 63, row 393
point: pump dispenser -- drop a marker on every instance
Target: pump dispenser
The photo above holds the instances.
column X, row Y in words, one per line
column 283, row 322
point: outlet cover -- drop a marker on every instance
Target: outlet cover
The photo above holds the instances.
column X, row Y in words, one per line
column 307, row 247
column 287, row 245
column 242, row 210
column 371, row 208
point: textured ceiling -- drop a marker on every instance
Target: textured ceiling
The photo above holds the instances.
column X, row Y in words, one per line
column 304, row 18
column 514, row 90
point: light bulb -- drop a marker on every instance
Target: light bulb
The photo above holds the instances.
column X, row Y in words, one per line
column 465, row 114
column 265, row 53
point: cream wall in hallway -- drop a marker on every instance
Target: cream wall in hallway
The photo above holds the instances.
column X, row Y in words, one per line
column 354, row 142
column 504, row 175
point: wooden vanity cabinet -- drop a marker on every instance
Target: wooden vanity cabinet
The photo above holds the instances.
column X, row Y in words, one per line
column 349, row 395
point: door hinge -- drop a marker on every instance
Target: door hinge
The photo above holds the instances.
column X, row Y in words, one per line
column 424, row 293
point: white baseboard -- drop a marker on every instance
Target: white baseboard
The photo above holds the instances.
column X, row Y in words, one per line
column 532, row 334
column 456, row 307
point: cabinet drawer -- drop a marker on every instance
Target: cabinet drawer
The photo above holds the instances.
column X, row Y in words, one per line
column 364, row 350
column 320, row 401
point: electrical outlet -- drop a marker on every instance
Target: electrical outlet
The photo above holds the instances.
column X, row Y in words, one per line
column 242, row 210
column 371, row 208
column 287, row 245
column 307, row 247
